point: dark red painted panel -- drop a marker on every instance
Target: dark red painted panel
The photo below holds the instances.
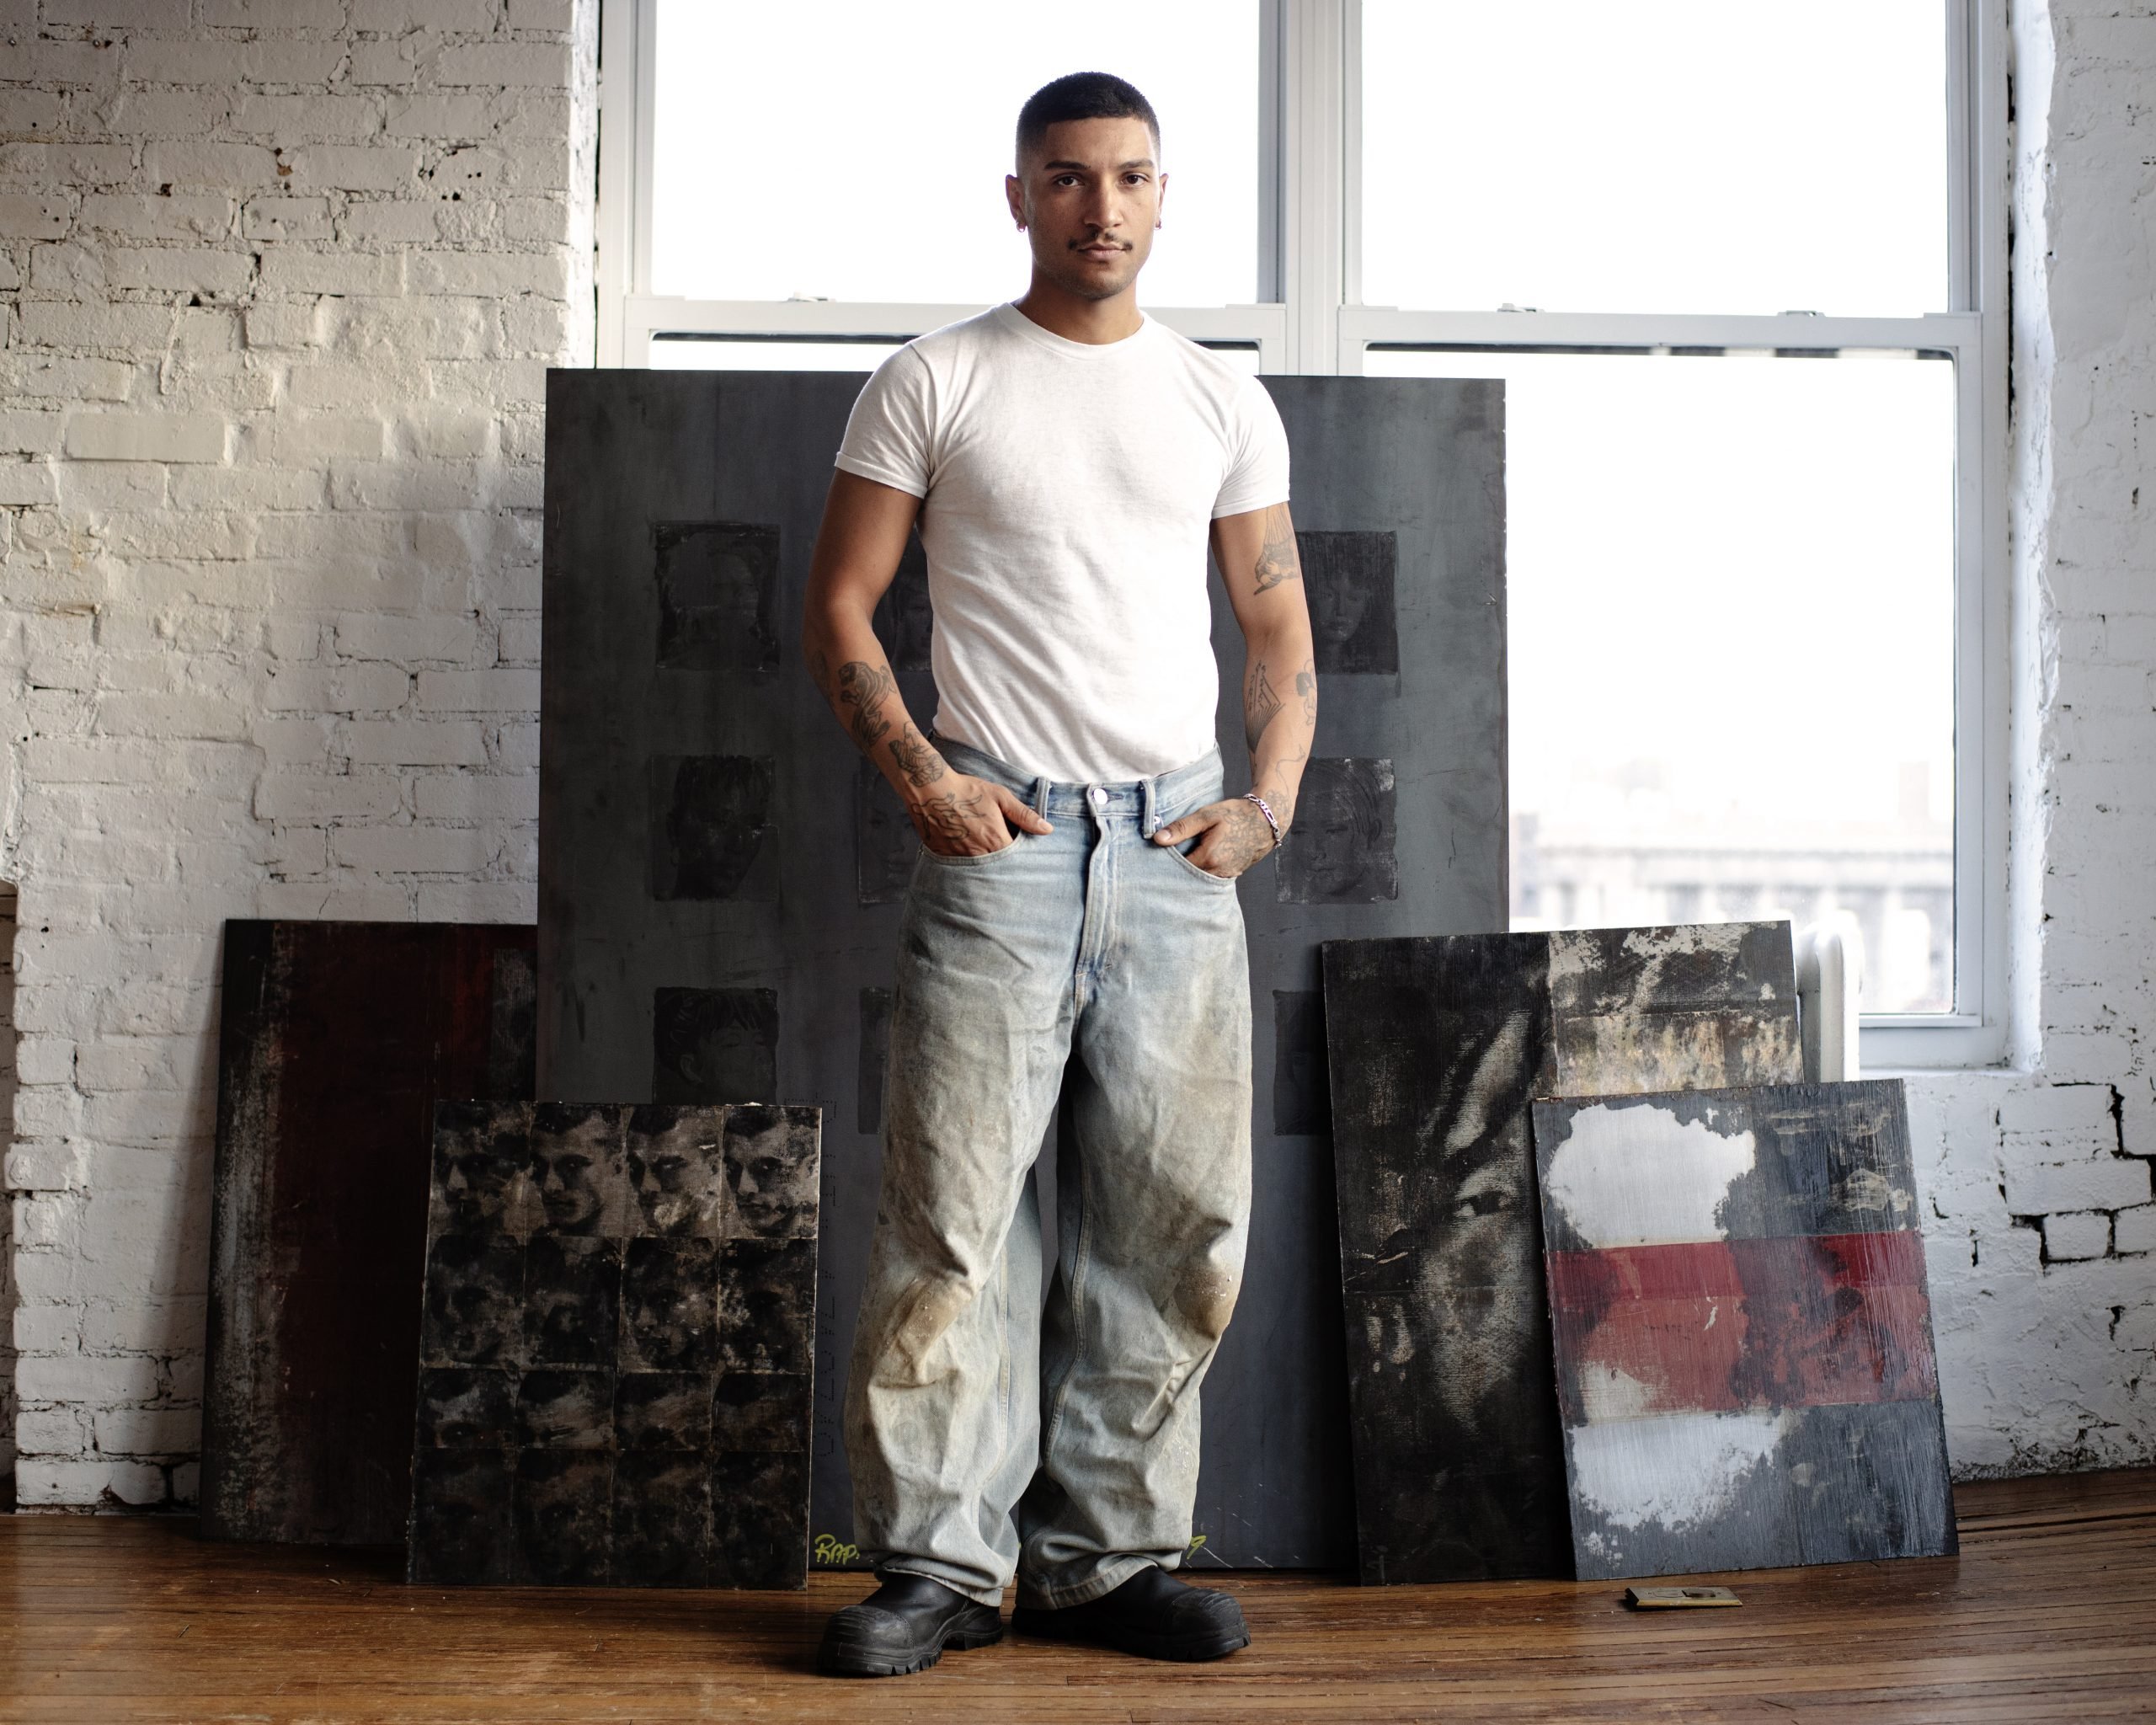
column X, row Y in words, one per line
column 1716, row 1326
column 337, row 1039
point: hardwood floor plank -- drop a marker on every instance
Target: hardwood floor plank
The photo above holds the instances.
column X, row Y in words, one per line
column 2045, row 1616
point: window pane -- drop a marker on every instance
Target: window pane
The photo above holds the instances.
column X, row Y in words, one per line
column 1673, row 156
column 684, row 353
column 856, row 149
column 1730, row 594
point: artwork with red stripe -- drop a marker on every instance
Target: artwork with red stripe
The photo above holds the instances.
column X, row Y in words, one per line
column 1741, row 1329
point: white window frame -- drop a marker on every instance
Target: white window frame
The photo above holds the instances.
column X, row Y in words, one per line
column 1312, row 320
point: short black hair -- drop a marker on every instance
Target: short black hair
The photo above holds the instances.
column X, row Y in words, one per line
column 1082, row 95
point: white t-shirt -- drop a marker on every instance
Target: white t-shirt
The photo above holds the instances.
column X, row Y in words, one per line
column 1067, row 489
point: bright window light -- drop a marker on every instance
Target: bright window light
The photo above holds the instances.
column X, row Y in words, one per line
column 855, row 149
column 1729, row 595
column 1668, row 155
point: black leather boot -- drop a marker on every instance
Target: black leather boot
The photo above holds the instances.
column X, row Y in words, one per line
column 903, row 1627
column 1151, row 1614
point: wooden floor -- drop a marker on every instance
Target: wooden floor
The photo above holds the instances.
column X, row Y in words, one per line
column 2048, row 1614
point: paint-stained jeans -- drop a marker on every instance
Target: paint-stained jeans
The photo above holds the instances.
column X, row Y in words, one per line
column 965, row 1396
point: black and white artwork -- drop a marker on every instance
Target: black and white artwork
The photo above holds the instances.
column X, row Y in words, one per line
column 714, row 1044
column 1343, row 850
column 1399, row 487
column 1439, row 1047
column 710, row 827
column 617, row 1334
column 1349, row 578
column 717, row 593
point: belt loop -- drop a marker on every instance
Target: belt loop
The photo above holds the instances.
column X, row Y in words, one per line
column 1151, row 820
column 1040, row 795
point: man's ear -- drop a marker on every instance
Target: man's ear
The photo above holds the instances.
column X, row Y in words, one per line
column 1014, row 193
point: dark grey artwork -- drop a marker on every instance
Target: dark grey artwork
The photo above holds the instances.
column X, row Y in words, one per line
column 710, row 827
column 1349, row 578
column 1742, row 1330
column 614, row 1347
column 1343, row 850
column 885, row 842
column 1437, row 1047
column 1399, row 489
column 717, row 593
column 875, row 1051
column 714, row 1044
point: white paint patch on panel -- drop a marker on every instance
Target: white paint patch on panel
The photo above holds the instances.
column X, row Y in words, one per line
column 1675, row 1472
column 1640, row 1176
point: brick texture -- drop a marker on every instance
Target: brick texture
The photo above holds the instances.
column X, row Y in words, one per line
column 279, row 282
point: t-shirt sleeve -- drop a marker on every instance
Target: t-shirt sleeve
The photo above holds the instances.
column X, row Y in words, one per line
column 1257, row 473
column 887, row 433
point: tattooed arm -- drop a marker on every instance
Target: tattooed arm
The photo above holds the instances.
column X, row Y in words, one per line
column 857, row 552
column 1264, row 575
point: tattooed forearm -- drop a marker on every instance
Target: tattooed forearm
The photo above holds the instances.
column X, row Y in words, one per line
column 864, row 687
column 1277, row 558
column 1260, row 703
column 916, row 758
column 1307, row 690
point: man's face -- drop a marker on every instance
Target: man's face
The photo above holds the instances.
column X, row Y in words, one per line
column 1089, row 200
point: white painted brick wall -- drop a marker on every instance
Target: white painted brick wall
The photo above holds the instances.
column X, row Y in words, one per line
column 279, row 280
column 2042, row 1237
column 278, row 286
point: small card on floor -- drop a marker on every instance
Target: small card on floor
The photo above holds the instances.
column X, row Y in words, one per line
column 1666, row 1599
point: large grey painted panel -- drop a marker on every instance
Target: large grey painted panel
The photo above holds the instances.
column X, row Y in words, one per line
column 719, row 882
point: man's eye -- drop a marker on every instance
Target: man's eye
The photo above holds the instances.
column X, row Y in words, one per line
column 1481, row 1203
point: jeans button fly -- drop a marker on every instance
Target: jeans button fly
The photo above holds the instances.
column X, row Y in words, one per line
column 1099, row 796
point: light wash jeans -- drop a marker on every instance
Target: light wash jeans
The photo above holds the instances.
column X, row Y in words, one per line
column 964, row 1397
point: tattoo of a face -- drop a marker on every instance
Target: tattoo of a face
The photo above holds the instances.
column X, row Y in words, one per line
column 1306, row 690
column 1260, row 703
column 917, row 760
column 863, row 686
column 1277, row 558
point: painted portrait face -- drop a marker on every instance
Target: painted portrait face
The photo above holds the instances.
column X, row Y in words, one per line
column 1337, row 845
column 471, row 1308
column 676, row 1171
column 1473, row 1280
column 717, row 819
column 478, row 1171
column 670, row 1293
column 572, row 1165
column 1338, row 602
column 771, row 1165
column 561, row 1515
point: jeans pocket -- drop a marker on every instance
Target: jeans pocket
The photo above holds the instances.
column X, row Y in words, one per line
column 985, row 857
column 1190, row 867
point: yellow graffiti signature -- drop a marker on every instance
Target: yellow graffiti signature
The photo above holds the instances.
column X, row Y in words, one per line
column 830, row 1549
column 1196, row 1540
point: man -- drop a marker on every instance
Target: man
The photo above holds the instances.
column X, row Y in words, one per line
column 1067, row 461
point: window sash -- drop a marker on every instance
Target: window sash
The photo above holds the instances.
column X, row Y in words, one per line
column 1309, row 228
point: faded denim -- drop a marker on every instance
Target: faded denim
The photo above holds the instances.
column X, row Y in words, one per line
column 968, row 1404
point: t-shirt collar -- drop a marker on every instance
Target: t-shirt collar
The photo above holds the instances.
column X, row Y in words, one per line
column 1015, row 321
